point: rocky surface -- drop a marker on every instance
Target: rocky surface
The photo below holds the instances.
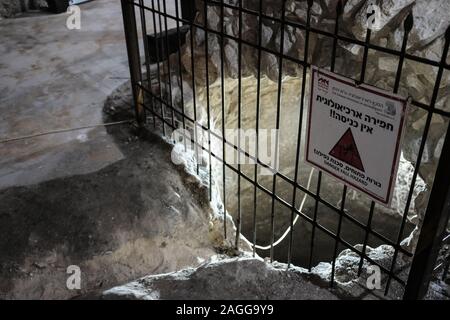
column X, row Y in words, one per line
column 240, row 278
column 355, row 286
column 438, row 290
column 245, row 277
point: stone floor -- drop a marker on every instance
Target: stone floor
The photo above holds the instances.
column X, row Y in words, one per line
column 53, row 78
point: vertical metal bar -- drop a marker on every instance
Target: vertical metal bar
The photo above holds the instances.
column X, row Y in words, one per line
column 180, row 70
column 238, row 220
column 146, row 49
column 187, row 9
column 158, row 52
column 408, row 27
column 313, row 231
column 372, row 205
column 24, row 5
column 432, row 231
column 163, row 105
column 169, row 70
column 222, row 88
column 134, row 61
column 338, row 234
column 299, row 134
column 366, row 237
column 344, row 193
column 258, row 92
column 319, row 178
column 277, row 127
column 194, row 100
column 205, row 8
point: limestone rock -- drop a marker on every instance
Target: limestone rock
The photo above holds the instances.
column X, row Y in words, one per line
column 354, row 286
column 431, row 19
column 226, row 278
column 388, row 14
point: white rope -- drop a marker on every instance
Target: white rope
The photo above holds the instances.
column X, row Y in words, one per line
column 295, row 220
column 65, row 130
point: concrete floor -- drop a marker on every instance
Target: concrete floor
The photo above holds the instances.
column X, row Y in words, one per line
column 54, row 78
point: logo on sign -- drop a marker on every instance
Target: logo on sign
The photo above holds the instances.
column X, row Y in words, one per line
column 323, row 83
column 389, row 108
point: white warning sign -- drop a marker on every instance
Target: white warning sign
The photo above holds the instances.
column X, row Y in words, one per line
column 354, row 133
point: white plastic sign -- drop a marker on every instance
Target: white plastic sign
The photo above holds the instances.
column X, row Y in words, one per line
column 354, row 133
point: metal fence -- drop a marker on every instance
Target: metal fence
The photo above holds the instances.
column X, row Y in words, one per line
column 154, row 104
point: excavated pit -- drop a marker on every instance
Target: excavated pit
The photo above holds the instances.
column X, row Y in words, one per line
column 213, row 66
column 386, row 221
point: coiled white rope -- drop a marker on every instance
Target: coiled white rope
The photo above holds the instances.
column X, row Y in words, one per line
column 295, row 220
